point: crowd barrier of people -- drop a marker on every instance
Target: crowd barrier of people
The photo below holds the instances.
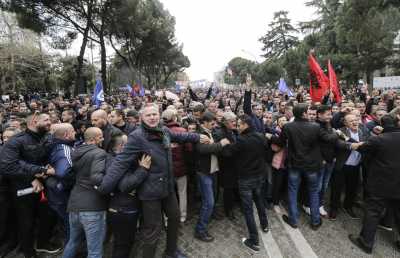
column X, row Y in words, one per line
column 118, row 173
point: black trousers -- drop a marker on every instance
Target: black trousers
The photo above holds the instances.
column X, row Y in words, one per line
column 33, row 217
column 8, row 222
column 123, row 227
column 152, row 224
column 278, row 180
column 374, row 207
column 230, row 195
column 347, row 178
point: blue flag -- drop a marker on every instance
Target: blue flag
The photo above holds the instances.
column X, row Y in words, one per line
column 98, row 94
column 284, row 88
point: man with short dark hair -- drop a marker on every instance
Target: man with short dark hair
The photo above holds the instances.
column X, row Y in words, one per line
column 117, row 119
column 251, row 151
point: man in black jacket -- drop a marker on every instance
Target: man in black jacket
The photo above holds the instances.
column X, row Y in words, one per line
column 382, row 183
column 156, row 187
column 251, row 153
column 87, row 206
column 117, row 119
column 304, row 159
column 206, row 167
column 99, row 120
column 23, row 160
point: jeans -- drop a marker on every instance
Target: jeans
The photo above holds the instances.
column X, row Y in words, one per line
column 251, row 190
column 205, row 186
column 92, row 224
column 294, row 180
column 324, row 178
column 152, row 224
column 123, row 227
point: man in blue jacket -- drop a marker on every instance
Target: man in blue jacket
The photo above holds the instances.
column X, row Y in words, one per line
column 59, row 186
column 156, row 185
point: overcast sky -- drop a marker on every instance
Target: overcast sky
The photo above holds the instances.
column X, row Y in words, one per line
column 215, row 31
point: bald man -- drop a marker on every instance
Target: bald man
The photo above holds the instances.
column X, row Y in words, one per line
column 99, row 120
column 59, row 185
column 86, row 206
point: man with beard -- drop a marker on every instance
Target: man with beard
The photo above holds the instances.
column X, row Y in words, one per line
column 23, row 161
column 99, row 120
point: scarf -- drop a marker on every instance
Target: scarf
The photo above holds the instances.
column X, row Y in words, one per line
column 159, row 133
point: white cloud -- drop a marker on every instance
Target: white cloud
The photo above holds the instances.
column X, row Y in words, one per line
column 215, row 31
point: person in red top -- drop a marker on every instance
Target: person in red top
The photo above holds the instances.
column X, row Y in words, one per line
column 170, row 118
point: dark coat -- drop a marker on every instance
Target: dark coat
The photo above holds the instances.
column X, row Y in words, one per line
column 228, row 170
column 178, row 151
column 251, row 152
column 158, row 182
column 384, row 169
column 203, row 154
column 88, row 164
column 302, row 139
column 342, row 154
column 258, row 122
column 127, row 128
column 22, row 157
column 109, row 131
column 327, row 148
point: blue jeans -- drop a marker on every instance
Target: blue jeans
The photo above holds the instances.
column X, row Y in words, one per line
column 249, row 190
column 294, row 180
column 205, row 186
column 93, row 225
column 324, row 178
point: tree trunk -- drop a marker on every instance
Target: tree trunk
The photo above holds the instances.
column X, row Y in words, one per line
column 79, row 85
column 103, row 55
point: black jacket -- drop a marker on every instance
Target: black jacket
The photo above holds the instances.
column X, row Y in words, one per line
column 88, row 164
column 227, row 167
column 203, row 154
column 4, row 184
column 120, row 200
column 303, row 139
column 109, row 131
column 327, row 148
column 251, row 152
column 22, row 157
column 384, row 168
column 127, row 128
column 158, row 182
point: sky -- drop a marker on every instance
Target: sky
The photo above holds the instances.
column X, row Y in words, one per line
column 215, row 31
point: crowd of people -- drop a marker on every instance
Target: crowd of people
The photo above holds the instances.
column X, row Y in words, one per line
column 75, row 173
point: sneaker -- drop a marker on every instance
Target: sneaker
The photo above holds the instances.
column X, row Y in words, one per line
column 351, row 213
column 307, row 210
column 333, row 214
column 250, row 245
column 360, row 244
column 385, row 227
column 183, row 219
column 323, row 212
column 178, row 254
column 277, row 209
column 48, row 248
column 285, row 218
column 265, row 229
column 205, row 237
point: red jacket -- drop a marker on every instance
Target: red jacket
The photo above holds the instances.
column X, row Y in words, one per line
column 178, row 151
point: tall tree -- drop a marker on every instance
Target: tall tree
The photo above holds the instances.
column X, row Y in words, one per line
column 280, row 37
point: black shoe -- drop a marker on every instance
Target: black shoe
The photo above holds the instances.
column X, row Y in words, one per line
column 205, row 237
column 332, row 214
column 178, row 254
column 250, row 245
column 265, row 229
column 315, row 227
column 397, row 245
column 49, row 248
column 359, row 243
column 287, row 221
column 231, row 216
column 351, row 213
column 385, row 227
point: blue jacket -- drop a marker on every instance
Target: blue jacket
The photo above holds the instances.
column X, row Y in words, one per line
column 60, row 185
column 158, row 182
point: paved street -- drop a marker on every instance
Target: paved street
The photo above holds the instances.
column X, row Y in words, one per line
column 328, row 242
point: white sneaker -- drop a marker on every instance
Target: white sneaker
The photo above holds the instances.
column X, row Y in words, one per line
column 277, row 209
column 307, row 210
column 322, row 211
column 183, row 219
